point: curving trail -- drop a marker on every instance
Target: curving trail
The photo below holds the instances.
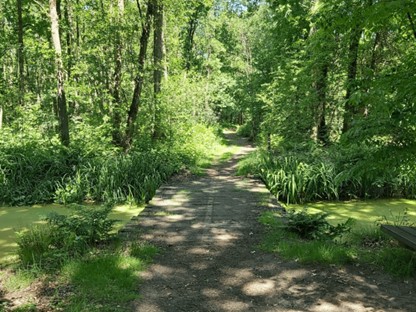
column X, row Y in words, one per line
column 210, row 261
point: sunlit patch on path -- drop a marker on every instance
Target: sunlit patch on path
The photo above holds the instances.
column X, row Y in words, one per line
column 210, row 261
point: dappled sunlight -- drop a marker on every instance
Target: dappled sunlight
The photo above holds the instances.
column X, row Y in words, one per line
column 211, row 259
column 259, row 287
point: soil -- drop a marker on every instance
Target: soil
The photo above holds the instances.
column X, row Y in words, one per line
column 209, row 235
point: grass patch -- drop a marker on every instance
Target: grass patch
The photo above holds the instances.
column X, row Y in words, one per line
column 18, row 280
column 106, row 281
column 366, row 244
column 250, row 164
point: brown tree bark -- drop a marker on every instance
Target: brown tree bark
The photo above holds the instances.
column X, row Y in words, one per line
column 118, row 65
column 322, row 134
column 159, row 70
column 139, row 80
column 350, row 109
column 60, row 95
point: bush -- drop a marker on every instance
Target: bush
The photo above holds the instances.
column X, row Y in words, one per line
column 64, row 237
column 315, row 226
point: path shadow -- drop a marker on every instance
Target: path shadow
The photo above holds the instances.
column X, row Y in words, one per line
column 208, row 230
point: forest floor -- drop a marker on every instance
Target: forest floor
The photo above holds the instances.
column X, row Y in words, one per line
column 207, row 230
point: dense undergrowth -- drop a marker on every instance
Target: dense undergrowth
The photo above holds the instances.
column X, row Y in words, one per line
column 35, row 170
column 308, row 173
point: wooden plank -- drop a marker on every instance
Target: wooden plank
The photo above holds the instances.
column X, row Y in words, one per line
column 404, row 234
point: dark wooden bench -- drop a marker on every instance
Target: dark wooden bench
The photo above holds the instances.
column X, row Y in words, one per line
column 404, row 234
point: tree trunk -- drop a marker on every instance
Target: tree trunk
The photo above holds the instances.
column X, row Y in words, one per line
column 189, row 41
column 118, row 61
column 68, row 35
column 60, row 96
column 412, row 24
column 350, row 109
column 159, row 64
column 321, row 87
column 1, row 116
column 20, row 51
column 139, row 80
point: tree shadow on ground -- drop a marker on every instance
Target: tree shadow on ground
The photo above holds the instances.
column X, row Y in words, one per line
column 209, row 233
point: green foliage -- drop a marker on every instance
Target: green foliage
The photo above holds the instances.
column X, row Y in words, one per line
column 245, row 130
column 33, row 170
column 34, row 245
column 302, row 174
column 84, row 226
column 400, row 262
column 30, row 170
column 315, row 226
column 367, row 246
column 297, row 181
column 64, row 236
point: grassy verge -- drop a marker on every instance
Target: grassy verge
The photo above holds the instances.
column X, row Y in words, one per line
column 104, row 280
column 14, row 219
column 364, row 245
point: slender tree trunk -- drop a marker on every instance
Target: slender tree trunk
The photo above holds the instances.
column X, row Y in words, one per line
column 350, row 109
column 159, row 64
column 20, row 51
column 78, row 32
column 1, row 116
column 60, row 96
column 321, row 88
column 189, row 41
column 139, row 80
column 68, row 35
column 412, row 24
column 118, row 61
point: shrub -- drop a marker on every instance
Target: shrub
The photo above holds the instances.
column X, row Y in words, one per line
column 64, row 236
column 315, row 226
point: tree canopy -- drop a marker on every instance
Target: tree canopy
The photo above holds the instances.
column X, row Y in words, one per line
column 328, row 80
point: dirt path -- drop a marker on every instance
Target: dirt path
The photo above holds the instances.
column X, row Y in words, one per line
column 208, row 231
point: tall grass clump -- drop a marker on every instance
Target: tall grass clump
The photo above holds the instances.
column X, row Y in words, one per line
column 33, row 170
column 29, row 171
column 299, row 174
column 119, row 177
column 298, row 181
